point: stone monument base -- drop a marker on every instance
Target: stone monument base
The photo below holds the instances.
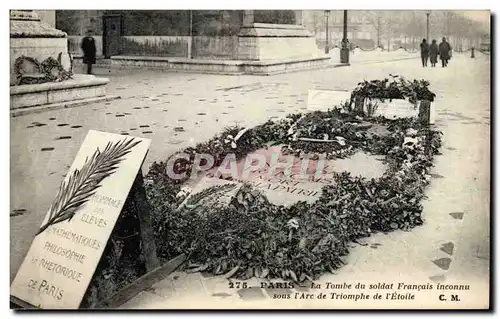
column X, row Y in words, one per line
column 29, row 37
column 264, row 41
column 36, row 51
column 35, row 48
column 82, row 89
column 263, row 49
column 226, row 67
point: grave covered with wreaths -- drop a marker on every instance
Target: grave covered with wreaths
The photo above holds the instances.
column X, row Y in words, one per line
column 249, row 236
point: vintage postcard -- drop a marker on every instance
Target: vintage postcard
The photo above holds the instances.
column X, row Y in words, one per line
column 250, row 159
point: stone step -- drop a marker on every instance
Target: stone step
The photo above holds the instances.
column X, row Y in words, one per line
column 78, row 59
column 78, row 87
column 227, row 67
column 62, row 105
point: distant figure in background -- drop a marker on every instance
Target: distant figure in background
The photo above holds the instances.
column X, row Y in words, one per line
column 433, row 53
column 424, row 52
column 89, row 51
column 444, row 52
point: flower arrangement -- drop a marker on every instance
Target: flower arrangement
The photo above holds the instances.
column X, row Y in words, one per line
column 51, row 70
column 395, row 88
column 253, row 237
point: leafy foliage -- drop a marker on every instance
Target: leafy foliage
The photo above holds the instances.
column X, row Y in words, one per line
column 50, row 69
column 396, row 88
column 121, row 261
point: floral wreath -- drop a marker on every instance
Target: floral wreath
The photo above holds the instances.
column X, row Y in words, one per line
column 253, row 237
column 45, row 68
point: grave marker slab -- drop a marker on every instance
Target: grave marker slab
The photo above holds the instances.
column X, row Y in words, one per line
column 306, row 178
column 65, row 252
column 395, row 109
column 303, row 181
column 322, row 100
column 399, row 108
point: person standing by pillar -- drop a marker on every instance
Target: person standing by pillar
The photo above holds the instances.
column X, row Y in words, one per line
column 89, row 51
column 424, row 52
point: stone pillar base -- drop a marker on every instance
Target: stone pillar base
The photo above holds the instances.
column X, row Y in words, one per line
column 262, row 41
column 36, row 41
column 32, row 38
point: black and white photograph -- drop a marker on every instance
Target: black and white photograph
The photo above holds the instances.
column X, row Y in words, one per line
column 250, row 159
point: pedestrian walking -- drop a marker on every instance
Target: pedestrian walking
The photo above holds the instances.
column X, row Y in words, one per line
column 89, row 51
column 433, row 53
column 424, row 52
column 444, row 52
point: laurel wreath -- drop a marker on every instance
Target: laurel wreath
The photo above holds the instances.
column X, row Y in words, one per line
column 45, row 68
column 83, row 183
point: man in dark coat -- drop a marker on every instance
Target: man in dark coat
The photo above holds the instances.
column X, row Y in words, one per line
column 444, row 52
column 433, row 53
column 89, row 51
column 424, row 52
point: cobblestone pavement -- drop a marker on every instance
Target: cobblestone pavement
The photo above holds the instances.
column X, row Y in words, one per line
column 176, row 110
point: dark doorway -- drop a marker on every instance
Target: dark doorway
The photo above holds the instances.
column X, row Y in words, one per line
column 111, row 35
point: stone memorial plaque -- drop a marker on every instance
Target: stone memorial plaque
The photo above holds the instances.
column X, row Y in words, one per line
column 399, row 108
column 286, row 190
column 66, row 250
column 322, row 100
column 395, row 109
column 277, row 184
column 306, row 178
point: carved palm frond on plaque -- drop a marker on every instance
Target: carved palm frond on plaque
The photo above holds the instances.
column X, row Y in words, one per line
column 83, row 183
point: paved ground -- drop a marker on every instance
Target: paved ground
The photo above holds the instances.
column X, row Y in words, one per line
column 153, row 104
column 359, row 56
